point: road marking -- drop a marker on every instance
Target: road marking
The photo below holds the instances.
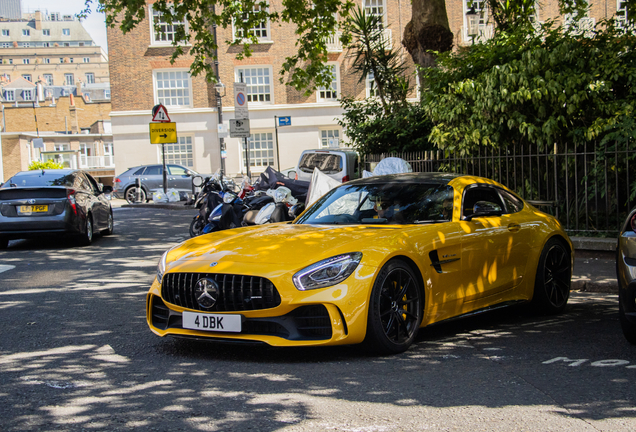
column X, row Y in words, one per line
column 599, row 363
column 4, row 268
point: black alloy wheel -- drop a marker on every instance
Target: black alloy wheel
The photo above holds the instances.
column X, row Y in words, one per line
column 87, row 237
column 395, row 309
column 554, row 276
column 109, row 225
column 131, row 195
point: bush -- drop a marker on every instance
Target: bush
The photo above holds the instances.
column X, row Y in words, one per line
column 49, row 164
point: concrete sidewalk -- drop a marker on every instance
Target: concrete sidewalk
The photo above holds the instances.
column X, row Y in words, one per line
column 594, row 258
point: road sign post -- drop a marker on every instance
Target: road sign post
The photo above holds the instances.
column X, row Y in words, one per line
column 280, row 121
column 163, row 132
column 241, row 112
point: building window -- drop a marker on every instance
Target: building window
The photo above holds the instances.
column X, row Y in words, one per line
column 258, row 80
column 66, row 44
column 10, row 61
column 173, row 88
column 26, row 32
column 162, row 32
column 69, row 79
column 375, row 8
column 621, row 13
column 46, row 44
column 26, row 45
column 26, row 61
column 6, row 45
column 87, row 59
column 48, row 78
column 66, row 32
column 5, row 32
column 71, row 59
column 261, row 149
column 181, row 153
column 46, row 32
column 27, row 95
column 9, row 95
column 90, row 78
column 106, row 94
column 261, row 30
column 330, row 138
column 331, row 92
column 47, row 60
column 27, row 77
column 372, row 91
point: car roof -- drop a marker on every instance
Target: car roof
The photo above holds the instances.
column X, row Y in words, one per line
column 439, row 178
column 38, row 172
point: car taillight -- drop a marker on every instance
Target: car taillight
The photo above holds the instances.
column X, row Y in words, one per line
column 345, row 179
column 632, row 222
column 296, row 177
column 117, row 180
column 70, row 194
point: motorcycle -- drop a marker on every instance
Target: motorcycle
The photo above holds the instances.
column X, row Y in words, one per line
column 278, row 211
column 207, row 200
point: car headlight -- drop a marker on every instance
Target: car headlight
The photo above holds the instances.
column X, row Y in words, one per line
column 161, row 267
column 327, row 272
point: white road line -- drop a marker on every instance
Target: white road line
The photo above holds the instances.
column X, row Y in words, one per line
column 4, row 268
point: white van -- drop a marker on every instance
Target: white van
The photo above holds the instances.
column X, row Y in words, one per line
column 339, row 164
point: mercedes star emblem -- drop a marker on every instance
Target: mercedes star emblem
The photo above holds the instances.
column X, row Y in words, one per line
column 206, row 291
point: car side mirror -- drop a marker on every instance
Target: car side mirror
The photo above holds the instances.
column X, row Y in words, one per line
column 485, row 209
column 291, row 174
column 106, row 189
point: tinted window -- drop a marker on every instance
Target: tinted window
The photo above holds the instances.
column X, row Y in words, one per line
column 475, row 194
column 177, row 170
column 46, row 178
column 154, row 170
column 513, row 204
column 140, row 171
column 93, row 182
column 325, row 162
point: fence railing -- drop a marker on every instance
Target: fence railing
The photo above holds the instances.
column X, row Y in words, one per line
column 106, row 161
column 589, row 188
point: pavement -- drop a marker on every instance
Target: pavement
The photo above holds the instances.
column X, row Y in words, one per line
column 594, row 258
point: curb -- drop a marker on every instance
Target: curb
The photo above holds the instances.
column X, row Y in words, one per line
column 594, row 244
column 168, row 206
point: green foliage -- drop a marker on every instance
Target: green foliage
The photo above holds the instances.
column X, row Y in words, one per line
column 370, row 131
column 553, row 87
column 314, row 21
column 49, row 164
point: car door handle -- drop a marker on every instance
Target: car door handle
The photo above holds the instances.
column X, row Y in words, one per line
column 513, row 227
column 170, row 178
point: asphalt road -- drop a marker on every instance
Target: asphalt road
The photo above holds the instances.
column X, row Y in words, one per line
column 76, row 354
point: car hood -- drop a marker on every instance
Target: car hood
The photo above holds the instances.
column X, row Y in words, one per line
column 282, row 244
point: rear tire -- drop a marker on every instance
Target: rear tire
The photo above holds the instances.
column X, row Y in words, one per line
column 395, row 309
column 554, row 276
column 131, row 195
column 86, row 238
column 4, row 243
column 196, row 226
column 629, row 329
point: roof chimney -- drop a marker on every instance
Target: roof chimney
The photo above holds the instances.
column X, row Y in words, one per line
column 38, row 20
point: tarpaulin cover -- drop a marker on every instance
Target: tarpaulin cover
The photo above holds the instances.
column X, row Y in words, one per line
column 392, row 165
column 272, row 179
column 320, row 184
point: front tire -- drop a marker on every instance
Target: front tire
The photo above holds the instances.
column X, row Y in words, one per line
column 110, row 226
column 554, row 276
column 196, row 226
column 629, row 329
column 131, row 195
column 87, row 237
column 395, row 309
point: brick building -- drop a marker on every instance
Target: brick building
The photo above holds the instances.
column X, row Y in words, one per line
column 142, row 76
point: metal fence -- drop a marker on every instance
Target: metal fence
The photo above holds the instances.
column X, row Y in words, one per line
column 589, row 188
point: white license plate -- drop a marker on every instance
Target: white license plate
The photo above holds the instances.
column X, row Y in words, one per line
column 211, row 322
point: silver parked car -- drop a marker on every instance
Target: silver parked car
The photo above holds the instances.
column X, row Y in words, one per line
column 626, row 273
column 125, row 184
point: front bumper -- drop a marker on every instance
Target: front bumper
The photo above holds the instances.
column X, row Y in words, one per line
column 330, row 316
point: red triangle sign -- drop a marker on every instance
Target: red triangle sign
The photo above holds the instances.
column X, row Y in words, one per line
column 160, row 114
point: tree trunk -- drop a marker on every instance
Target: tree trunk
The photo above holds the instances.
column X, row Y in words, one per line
column 428, row 30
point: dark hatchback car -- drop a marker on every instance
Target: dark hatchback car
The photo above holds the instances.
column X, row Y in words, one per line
column 54, row 202
column 626, row 274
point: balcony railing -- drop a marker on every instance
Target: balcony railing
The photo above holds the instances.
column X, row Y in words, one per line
column 107, row 161
column 334, row 45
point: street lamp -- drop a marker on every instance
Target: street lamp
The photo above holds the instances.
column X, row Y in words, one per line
column 472, row 17
column 219, row 87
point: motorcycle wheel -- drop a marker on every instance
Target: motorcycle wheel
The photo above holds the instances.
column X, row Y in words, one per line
column 196, row 226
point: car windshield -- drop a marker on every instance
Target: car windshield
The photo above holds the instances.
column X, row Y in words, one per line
column 43, row 178
column 325, row 162
column 389, row 203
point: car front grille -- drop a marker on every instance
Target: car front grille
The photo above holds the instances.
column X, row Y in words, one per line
column 236, row 292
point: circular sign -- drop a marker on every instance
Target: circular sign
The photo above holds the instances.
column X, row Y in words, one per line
column 240, row 99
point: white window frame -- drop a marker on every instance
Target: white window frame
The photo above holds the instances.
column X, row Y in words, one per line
column 86, row 59
column 90, row 80
column 369, row 85
column 47, row 60
column 66, row 32
column 27, row 77
column 154, row 41
column 46, row 32
column 47, row 80
column 486, row 30
column 254, row 143
column 181, row 153
column 66, row 81
column 26, row 45
column 257, row 85
column 266, row 28
column 162, row 99
column 26, row 61
column 376, row 8
column 324, row 94
column 621, row 13
column 26, row 32
column 6, row 32
column 6, row 45
column 327, row 134
column 9, row 95
column 27, row 95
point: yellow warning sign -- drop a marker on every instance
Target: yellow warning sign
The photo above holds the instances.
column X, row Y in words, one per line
column 163, row 133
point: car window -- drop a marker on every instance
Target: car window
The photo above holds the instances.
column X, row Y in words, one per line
column 93, row 183
column 43, row 178
column 177, row 170
column 140, row 171
column 81, row 183
column 325, row 162
column 513, row 204
column 154, row 170
column 479, row 193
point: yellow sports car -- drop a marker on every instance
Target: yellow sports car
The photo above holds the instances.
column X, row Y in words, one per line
column 372, row 261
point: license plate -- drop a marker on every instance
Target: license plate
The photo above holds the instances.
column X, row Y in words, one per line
column 211, row 322
column 28, row 209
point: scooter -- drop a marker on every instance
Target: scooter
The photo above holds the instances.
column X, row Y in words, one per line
column 278, row 211
column 207, row 200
